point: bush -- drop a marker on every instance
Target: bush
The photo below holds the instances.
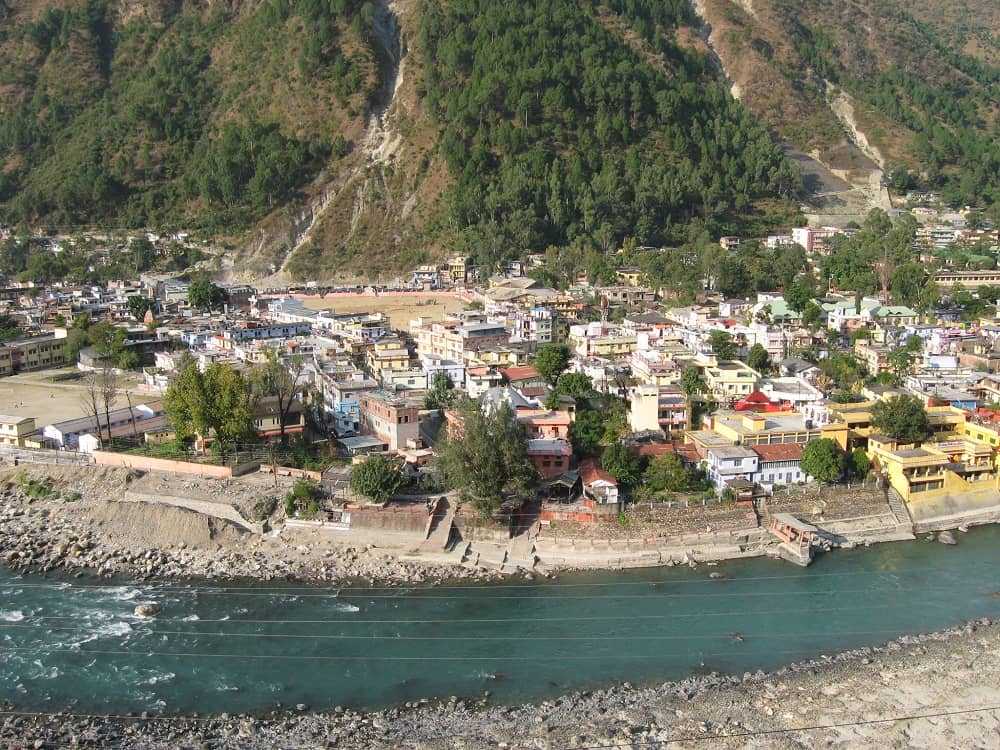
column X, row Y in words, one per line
column 303, row 499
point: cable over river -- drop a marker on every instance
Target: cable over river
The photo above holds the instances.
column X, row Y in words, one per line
column 76, row 645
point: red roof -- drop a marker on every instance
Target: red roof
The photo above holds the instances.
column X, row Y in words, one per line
column 779, row 451
column 525, row 372
column 687, row 452
column 756, row 401
column 590, row 472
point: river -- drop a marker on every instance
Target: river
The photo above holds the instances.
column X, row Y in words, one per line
column 75, row 644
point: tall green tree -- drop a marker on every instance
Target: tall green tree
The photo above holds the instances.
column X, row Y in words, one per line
column 441, row 394
column 586, row 433
column 205, row 295
column 823, row 460
column 552, row 361
column 903, row 418
column 484, row 456
column 759, row 359
column 281, row 383
column 217, row 402
column 622, row 464
column 378, row 478
column 722, row 344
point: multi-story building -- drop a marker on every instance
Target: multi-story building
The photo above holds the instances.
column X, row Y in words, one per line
column 6, row 360
column 658, row 408
column 342, row 397
column 601, row 340
column 14, row 430
column 455, row 340
column 36, row 353
column 391, row 418
column 388, row 353
column 729, row 381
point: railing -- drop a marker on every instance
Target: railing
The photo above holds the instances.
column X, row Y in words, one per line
column 44, row 456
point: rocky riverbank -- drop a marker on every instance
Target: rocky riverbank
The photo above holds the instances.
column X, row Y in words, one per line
column 926, row 691
column 83, row 528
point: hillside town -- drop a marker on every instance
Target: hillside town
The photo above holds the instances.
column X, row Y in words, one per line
column 605, row 410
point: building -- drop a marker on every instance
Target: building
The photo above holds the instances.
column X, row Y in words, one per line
column 780, row 464
column 391, row 418
column 35, row 353
column 455, row 340
column 726, row 464
column 6, row 360
column 658, row 408
column 269, row 423
column 14, row 430
column 342, row 397
column 601, row 340
column 815, row 239
column 67, row 434
column 729, row 381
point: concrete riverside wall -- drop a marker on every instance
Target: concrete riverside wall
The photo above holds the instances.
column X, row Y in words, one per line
column 44, row 456
column 147, row 463
column 408, row 520
column 225, row 511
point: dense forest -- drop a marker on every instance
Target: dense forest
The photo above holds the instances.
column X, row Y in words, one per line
column 166, row 121
column 557, row 133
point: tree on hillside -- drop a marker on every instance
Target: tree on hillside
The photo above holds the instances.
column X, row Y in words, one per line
column 759, row 359
column 586, row 432
column 823, row 460
column 722, row 344
column 485, row 457
column 667, row 473
column 215, row 402
column 138, row 306
column 441, row 394
column 378, row 478
column 576, row 385
column 205, row 295
column 552, row 361
column 903, row 418
column 797, row 296
column 280, row 382
column 622, row 464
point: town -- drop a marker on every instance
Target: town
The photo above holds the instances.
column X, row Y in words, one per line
column 826, row 388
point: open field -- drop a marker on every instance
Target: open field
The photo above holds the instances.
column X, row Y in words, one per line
column 48, row 398
column 401, row 308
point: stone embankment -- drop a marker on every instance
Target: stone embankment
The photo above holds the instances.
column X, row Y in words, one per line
column 97, row 533
column 867, row 697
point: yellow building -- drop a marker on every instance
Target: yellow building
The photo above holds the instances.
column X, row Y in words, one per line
column 857, row 418
column 630, row 276
column 957, row 468
column 15, row 430
column 730, row 380
column 387, row 354
column 751, row 428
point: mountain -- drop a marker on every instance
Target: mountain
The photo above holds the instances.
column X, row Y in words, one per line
column 910, row 88
column 321, row 137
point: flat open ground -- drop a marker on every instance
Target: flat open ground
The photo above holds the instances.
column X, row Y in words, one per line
column 401, row 309
column 47, row 398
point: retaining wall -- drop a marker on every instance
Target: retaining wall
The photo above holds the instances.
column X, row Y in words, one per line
column 148, row 463
column 225, row 511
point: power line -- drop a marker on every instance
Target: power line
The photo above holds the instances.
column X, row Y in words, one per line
column 785, row 730
column 142, row 652
column 462, row 621
column 370, row 636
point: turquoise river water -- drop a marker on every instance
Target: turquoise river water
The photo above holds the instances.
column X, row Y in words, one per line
column 76, row 644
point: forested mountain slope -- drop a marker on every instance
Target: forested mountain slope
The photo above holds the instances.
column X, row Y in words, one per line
column 921, row 77
column 324, row 136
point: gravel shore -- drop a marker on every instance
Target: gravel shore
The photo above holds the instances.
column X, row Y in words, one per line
column 95, row 533
column 926, row 691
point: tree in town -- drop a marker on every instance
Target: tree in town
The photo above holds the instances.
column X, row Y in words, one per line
column 138, row 306
column 812, row 315
column 667, row 473
column 586, row 433
column 304, row 498
column 378, row 477
column 8, row 328
column 759, row 359
column 441, row 394
column 576, row 385
column 823, row 460
column 216, row 402
column 797, row 296
column 622, row 464
column 279, row 381
column 691, row 382
column 552, row 361
column 903, row 418
column 205, row 295
column 484, row 455
column 722, row 344
column 860, row 464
